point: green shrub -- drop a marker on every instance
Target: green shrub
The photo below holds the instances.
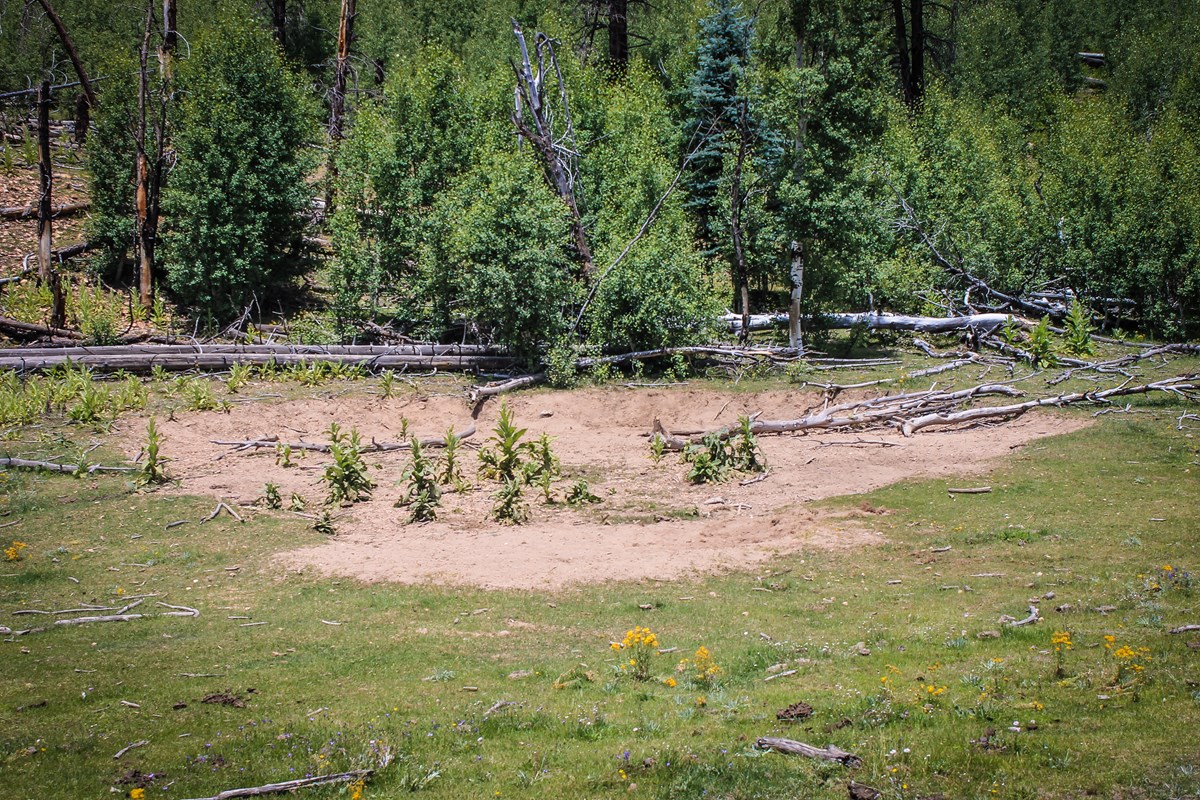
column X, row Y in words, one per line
column 233, row 210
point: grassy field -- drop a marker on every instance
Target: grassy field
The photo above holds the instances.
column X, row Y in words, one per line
column 520, row 694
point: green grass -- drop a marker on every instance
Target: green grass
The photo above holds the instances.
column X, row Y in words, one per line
column 1092, row 517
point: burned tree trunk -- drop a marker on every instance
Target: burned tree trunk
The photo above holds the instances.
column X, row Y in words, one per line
column 556, row 152
column 797, row 274
column 46, row 175
column 279, row 22
column 618, row 33
column 86, row 84
column 337, row 99
column 736, row 200
column 145, row 224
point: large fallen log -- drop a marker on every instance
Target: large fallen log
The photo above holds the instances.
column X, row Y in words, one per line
column 29, row 330
column 143, row 358
column 981, row 323
column 31, row 211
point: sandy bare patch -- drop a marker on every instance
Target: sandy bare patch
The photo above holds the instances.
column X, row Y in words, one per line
column 651, row 523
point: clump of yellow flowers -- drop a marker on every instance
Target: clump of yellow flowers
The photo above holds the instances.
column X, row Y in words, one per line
column 640, row 645
column 701, row 665
column 1062, row 643
column 13, row 551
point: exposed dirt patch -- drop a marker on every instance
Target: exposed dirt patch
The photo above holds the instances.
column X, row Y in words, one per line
column 651, row 523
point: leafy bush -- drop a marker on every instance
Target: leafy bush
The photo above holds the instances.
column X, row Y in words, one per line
column 233, row 212
column 496, row 256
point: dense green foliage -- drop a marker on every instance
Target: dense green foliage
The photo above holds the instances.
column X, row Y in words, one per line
column 234, row 202
column 1022, row 163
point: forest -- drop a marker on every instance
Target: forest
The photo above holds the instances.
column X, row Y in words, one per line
column 556, row 177
column 680, row 399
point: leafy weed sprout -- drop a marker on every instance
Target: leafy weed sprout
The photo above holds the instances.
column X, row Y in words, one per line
column 346, row 478
column 1079, row 330
column 451, row 471
column 580, row 493
column 502, row 460
column 510, row 507
column 1041, row 344
column 239, row 376
column 271, row 496
column 423, row 492
column 543, row 466
column 658, row 447
column 153, row 468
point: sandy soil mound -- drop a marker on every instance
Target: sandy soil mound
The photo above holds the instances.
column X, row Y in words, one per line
column 651, row 523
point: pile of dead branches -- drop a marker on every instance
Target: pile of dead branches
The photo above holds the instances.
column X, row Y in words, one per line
column 913, row 411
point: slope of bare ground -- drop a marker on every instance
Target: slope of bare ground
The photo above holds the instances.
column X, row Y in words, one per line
column 20, row 187
column 651, row 522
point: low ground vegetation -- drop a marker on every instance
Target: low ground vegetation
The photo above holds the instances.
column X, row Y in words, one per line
column 902, row 653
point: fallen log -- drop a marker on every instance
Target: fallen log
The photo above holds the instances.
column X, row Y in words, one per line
column 791, row 747
column 291, row 786
column 981, row 323
column 29, row 330
column 316, row 447
column 1185, row 629
column 51, row 466
column 1182, row 385
column 871, row 411
column 31, row 211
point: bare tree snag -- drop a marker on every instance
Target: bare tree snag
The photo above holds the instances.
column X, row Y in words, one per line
column 737, row 199
column 791, row 747
column 618, row 33
column 556, row 152
column 143, row 229
column 337, row 97
column 69, row 46
column 279, row 22
column 797, row 275
column 46, row 176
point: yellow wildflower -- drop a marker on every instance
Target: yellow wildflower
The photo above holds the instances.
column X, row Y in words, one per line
column 1124, row 653
column 137, row 794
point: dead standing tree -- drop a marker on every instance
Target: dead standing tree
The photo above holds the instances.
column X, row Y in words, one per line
column 533, row 116
column 46, row 271
column 88, row 98
column 151, row 173
column 337, row 96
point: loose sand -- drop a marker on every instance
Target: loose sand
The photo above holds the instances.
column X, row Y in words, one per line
column 651, row 523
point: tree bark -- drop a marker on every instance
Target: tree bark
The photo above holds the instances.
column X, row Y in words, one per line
column 984, row 323
column 144, row 233
column 46, row 176
column 741, row 275
column 337, row 100
column 69, row 46
column 279, row 22
column 901, row 35
column 797, row 275
column 917, row 46
column 618, row 33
